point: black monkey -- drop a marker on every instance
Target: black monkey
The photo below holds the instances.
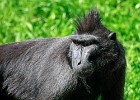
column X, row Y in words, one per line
column 88, row 64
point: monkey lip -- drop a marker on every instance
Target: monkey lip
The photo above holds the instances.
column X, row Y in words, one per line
column 85, row 72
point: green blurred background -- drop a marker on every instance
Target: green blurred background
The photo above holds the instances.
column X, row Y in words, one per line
column 28, row 19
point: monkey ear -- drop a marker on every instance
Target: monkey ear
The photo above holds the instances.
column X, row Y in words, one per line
column 112, row 36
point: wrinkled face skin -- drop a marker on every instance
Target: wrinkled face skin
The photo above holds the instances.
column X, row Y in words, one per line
column 90, row 53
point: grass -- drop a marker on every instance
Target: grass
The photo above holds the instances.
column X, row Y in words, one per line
column 28, row 19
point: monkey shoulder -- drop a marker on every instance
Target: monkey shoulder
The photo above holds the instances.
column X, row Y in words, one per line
column 13, row 50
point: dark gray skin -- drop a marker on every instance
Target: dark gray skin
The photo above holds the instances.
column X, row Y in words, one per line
column 84, row 66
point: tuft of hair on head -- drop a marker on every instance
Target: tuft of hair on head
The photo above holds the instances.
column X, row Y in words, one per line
column 89, row 23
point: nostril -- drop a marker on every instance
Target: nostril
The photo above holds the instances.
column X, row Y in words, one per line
column 79, row 62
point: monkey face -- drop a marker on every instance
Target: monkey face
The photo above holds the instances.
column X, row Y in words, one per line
column 82, row 48
column 91, row 53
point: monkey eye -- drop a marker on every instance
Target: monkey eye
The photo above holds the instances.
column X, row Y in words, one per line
column 85, row 43
column 88, row 43
column 76, row 42
column 84, row 40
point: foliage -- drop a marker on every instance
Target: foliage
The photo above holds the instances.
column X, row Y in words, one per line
column 27, row 19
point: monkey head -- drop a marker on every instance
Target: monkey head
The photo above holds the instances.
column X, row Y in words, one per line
column 94, row 47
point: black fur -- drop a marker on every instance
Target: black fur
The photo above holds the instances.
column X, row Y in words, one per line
column 91, row 22
column 47, row 69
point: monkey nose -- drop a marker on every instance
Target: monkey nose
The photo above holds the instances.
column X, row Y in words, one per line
column 79, row 62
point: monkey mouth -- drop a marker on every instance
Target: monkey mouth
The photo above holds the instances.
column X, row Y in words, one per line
column 84, row 72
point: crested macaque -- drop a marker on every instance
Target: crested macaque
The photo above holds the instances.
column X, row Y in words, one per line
column 83, row 66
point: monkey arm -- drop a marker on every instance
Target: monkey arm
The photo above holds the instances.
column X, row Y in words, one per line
column 116, row 90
